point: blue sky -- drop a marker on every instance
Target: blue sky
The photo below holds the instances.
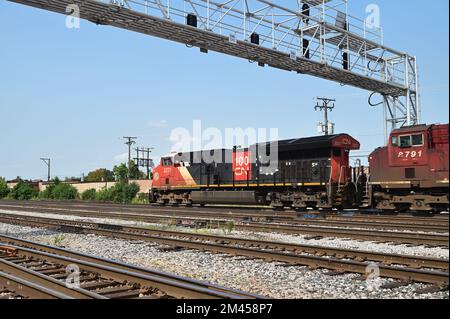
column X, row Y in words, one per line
column 72, row 94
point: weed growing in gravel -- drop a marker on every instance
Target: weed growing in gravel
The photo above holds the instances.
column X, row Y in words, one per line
column 228, row 227
column 202, row 231
column 171, row 224
column 151, row 227
column 160, row 227
column 140, row 199
column 258, row 236
column 57, row 240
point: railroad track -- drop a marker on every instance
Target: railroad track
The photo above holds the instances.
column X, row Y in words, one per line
column 49, row 269
column 404, row 268
column 238, row 209
column 433, row 240
column 292, row 227
column 13, row 287
column 238, row 213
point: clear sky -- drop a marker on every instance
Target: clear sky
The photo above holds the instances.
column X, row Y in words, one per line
column 72, row 94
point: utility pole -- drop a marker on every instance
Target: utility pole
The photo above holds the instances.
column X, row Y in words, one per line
column 327, row 105
column 148, row 151
column 129, row 140
column 47, row 162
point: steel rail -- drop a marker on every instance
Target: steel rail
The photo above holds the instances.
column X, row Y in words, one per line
column 45, row 281
column 229, row 246
column 410, row 220
column 411, row 261
column 228, row 211
column 372, row 235
column 288, row 228
column 17, row 288
column 221, row 211
column 120, row 265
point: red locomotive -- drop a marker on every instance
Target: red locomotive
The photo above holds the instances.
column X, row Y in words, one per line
column 411, row 173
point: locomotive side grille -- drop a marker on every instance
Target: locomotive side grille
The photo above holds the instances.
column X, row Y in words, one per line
column 410, row 173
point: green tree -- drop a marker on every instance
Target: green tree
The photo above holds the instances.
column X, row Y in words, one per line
column 23, row 191
column 100, row 175
column 135, row 173
column 4, row 190
column 121, row 172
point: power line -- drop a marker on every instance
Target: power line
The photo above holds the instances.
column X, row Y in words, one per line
column 145, row 160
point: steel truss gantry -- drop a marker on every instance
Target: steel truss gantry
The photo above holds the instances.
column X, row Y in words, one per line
column 314, row 37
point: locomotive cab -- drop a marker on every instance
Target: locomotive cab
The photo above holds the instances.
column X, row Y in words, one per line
column 166, row 173
column 409, row 148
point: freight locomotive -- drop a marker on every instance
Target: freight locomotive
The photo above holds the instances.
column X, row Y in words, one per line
column 411, row 173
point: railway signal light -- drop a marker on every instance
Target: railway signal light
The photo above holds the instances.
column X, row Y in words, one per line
column 191, row 20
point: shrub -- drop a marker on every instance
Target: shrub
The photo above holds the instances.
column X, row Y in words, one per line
column 142, row 198
column 89, row 194
column 22, row 191
column 119, row 193
column 126, row 192
column 47, row 193
column 64, row 192
column 58, row 190
column 4, row 190
column 104, row 195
